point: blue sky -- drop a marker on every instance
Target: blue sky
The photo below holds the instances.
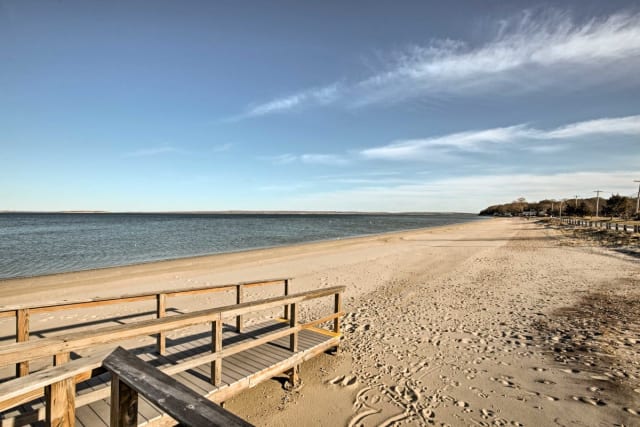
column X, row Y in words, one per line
column 374, row 106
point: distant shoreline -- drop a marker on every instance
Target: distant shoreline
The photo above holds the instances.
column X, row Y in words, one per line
column 234, row 212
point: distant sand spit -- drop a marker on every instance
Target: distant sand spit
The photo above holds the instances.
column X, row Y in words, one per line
column 499, row 322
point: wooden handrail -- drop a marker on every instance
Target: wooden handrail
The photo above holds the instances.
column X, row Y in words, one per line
column 30, row 350
column 131, row 376
column 38, row 380
column 57, row 384
column 25, row 386
column 22, row 312
column 6, row 310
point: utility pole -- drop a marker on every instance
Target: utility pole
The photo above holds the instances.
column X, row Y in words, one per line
column 597, row 200
column 638, row 199
column 576, row 196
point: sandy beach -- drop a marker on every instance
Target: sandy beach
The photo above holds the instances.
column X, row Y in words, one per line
column 497, row 322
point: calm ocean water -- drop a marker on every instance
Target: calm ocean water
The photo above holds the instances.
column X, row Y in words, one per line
column 37, row 244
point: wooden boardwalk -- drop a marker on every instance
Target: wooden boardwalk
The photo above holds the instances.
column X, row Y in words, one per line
column 239, row 371
column 214, row 368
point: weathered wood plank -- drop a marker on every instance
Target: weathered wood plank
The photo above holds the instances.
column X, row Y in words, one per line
column 124, row 400
column 60, row 408
column 293, row 320
column 161, row 308
column 239, row 300
column 286, row 292
column 233, row 375
column 8, row 310
column 22, row 335
column 337, row 308
column 216, row 347
column 87, row 416
column 19, row 352
column 180, row 402
column 35, row 382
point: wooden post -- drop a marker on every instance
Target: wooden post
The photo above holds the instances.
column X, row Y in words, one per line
column 294, row 376
column 124, row 404
column 216, row 346
column 22, row 335
column 60, row 403
column 286, row 292
column 337, row 307
column 293, row 338
column 61, row 359
column 161, row 309
column 239, row 300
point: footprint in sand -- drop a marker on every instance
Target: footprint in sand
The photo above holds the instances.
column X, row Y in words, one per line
column 344, row 380
column 487, row 413
column 589, row 400
column 504, row 380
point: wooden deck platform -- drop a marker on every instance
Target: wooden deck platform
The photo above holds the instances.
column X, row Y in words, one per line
column 239, row 371
column 211, row 358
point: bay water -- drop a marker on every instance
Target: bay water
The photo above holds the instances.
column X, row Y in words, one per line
column 33, row 244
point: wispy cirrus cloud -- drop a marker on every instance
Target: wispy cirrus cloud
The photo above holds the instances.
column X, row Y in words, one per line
column 527, row 52
column 629, row 125
column 478, row 140
column 454, row 193
column 315, row 96
column 310, row 158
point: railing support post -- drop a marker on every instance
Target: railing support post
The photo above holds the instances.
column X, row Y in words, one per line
column 60, row 403
column 124, row 404
column 286, row 292
column 216, row 347
column 293, row 320
column 61, row 359
column 22, row 335
column 161, row 310
column 239, row 300
column 294, row 376
column 337, row 308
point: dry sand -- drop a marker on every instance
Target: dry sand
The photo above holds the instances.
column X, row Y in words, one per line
column 500, row 322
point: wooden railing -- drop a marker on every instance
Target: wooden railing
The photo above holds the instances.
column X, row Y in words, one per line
column 607, row 225
column 56, row 383
column 23, row 312
column 130, row 376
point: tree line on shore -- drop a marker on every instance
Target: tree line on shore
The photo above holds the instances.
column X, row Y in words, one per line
column 615, row 206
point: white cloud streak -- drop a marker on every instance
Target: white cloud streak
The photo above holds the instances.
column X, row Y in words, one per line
column 316, row 96
column 479, row 140
column 551, row 45
column 629, row 125
column 526, row 53
column 310, row 158
column 453, row 193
